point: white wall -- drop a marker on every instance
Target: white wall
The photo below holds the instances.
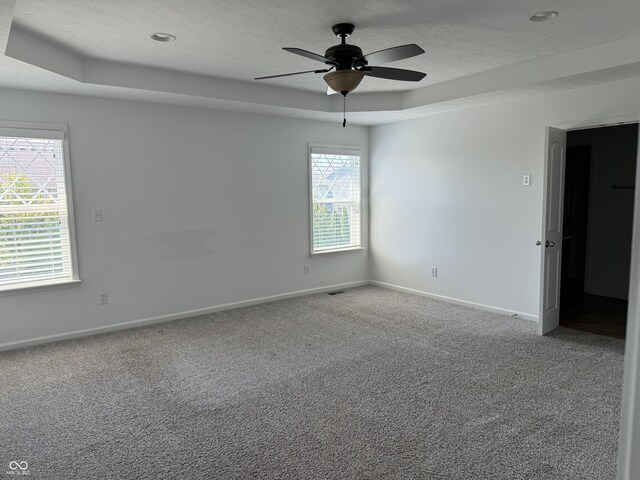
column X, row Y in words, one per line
column 629, row 452
column 447, row 191
column 201, row 208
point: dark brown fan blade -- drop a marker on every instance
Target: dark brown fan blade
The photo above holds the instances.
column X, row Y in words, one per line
column 394, row 73
column 390, row 54
column 295, row 73
column 311, row 55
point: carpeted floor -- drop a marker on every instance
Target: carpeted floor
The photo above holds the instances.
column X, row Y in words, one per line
column 369, row 384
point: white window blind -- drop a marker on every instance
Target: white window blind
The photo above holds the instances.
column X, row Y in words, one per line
column 335, row 199
column 36, row 245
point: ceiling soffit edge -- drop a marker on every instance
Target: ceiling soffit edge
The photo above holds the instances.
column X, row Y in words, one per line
column 25, row 47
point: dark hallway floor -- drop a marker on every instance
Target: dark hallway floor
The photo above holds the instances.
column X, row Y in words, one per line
column 594, row 314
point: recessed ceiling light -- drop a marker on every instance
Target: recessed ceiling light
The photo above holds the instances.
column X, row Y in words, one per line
column 543, row 16
column 162, row 37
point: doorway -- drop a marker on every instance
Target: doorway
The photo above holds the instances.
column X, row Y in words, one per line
column 599, row 187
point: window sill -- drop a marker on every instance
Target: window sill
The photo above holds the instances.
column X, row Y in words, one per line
column 339, row 250
column 38, row 287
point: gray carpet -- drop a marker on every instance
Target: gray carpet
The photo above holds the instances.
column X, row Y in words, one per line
column 369, row 384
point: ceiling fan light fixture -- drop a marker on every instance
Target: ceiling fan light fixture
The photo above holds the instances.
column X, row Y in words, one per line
column 543, row 16
column 344, row 81
column 162, row 37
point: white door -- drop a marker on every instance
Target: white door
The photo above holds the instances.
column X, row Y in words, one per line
column 551, row 242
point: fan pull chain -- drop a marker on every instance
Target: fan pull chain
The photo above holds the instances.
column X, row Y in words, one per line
column 344, row 111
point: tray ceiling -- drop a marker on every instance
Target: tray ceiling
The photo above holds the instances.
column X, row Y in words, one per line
column 229, row 42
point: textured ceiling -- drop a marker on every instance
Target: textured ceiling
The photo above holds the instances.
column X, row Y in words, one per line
column 478, row 51
column 241, row 39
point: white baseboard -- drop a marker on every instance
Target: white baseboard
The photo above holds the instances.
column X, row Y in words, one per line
column 173, row 316
column 457, row 301
column 246, row 303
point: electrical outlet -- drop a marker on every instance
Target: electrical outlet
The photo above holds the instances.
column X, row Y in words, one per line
column 434, row 271
column 103, row 298
column 307, row 269
column 526, row 180
column 97, row 214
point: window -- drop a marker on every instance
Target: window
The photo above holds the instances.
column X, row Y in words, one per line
column 335, row 198
column 36, row 222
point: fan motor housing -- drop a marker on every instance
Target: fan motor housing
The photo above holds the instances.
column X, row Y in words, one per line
column 344, row 55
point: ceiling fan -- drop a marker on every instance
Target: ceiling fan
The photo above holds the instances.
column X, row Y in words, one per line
column 348, row 66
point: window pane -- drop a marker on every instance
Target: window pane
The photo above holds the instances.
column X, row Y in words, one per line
column 34, row 233
column 335, row 191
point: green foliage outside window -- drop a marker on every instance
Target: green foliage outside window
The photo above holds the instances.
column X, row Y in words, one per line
column 335, row 222
column 22, row 232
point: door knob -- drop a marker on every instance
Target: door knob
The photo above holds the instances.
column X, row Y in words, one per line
column 549, row 244
column 538, row 243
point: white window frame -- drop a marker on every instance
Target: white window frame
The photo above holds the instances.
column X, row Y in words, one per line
column 58, row 131
column 350, row 149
